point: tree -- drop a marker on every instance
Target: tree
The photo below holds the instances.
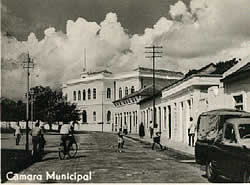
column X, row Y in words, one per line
column 50, row 106
column 11, row 110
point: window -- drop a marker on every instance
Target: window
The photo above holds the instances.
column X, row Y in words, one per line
column 126, row 91
column 74, row 95
column 66, row 97
column 132, row 89
column 230, row 134
column 94, row 93
column 94, row 116
column 108, row 116
column 108, row 93
column 89, row 94
column 120, row 92
column 238, row 102
column 84, row 95
column 79, row 95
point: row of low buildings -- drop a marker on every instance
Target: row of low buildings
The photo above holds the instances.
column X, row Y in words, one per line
column 126, row 98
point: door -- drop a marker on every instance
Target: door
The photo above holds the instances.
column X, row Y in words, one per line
column 232, row 152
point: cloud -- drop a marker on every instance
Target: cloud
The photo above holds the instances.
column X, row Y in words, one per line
column 199, row 33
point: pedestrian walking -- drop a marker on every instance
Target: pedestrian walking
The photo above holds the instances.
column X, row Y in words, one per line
column 120, row 140
column 42, row 140
column 151, row 129
column 125, row 129
column 157, row 140
column 17, row 133
column 141, row 130
column 36, row 134
column 191, row 132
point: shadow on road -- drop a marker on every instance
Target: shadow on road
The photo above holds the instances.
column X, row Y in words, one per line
column 14, row 160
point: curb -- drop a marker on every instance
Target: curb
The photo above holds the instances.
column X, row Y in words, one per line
column 168, row 148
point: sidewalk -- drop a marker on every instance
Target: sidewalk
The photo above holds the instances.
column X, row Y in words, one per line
column 171, row 145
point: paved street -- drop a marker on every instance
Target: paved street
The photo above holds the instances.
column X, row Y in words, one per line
column 98, row 155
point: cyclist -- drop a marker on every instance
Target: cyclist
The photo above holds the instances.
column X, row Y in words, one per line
column 65, row 132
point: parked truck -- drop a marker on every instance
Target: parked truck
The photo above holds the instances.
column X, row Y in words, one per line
column 223, row 144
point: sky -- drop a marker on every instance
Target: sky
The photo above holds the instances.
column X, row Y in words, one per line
column 193, row 33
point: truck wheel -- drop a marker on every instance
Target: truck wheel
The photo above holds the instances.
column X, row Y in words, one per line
column 246, row 176
column 211, row 174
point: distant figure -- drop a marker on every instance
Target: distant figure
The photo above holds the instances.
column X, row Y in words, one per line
column 42, row 140
column 191, row 132
column 17, row 133
column 59, row 126
column 125, row 129
column 36, row 134
column 157, row 140
column 120, row 140
column 141, row 130
column 151, row 129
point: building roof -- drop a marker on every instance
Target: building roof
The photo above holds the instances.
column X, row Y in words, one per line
column 241, row 68
column 189, row 77
column 233, row 112
column 144, row 92
column 238, row 67
column 170, row 73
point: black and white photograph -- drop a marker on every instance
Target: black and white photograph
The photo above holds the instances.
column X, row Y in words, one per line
column 125, row 91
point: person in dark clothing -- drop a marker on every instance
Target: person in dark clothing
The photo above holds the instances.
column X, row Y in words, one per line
column 141, row 130
column 120, row 140
column 157, row 140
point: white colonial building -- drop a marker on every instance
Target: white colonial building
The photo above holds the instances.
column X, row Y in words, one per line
column 94, row 94
column 234, row 91
column 127, row 110
column 179, row 101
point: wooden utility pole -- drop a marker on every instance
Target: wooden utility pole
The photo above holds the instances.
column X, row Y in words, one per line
column 27, row 65
column 153, row 55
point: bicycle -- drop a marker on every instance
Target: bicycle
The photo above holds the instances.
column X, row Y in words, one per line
column 72, row 148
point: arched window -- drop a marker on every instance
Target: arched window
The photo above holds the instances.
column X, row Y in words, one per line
column 79, row 95
column 132, row 89
column 108, row 93
column 108, row 116
column 94, row 93
column 120, row 92
column 83, row 94
column 94, row 116
column 84, row 116
column 126, row 91
column 74, row 95
column 66, row 97
column 89, row 94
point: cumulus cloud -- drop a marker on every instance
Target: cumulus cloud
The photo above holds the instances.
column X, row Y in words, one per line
column 201, row 32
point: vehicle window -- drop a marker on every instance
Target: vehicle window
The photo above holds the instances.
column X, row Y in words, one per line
column 229, row 134
column 244, row 131
column 207, row 127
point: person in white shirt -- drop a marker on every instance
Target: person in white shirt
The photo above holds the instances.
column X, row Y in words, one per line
column 18, row 133
column 191, row 132
column 65, row 131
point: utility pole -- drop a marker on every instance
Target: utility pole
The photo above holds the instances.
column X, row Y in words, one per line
column 153, row 54
column 102, row 110
column 27, row 65
column 32, row 106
